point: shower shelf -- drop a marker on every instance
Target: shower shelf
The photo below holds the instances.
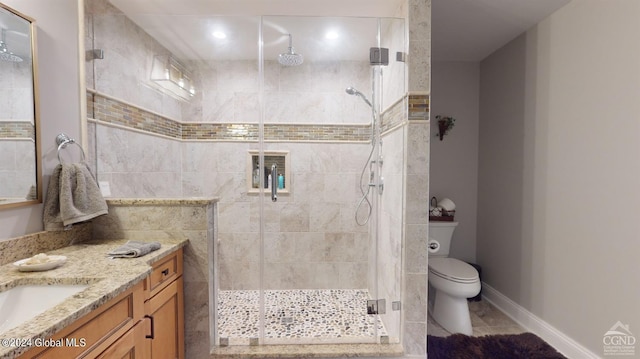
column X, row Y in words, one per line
column 280, row 158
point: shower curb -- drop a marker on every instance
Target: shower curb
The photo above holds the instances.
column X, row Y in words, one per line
column 309, row 351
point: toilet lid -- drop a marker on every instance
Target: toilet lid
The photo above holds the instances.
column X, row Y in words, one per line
column 453, row 269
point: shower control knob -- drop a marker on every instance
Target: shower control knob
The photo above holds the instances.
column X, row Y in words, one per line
column 433, row 245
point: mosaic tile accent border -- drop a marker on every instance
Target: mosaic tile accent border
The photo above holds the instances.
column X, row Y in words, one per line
column 286, row 132
column 297, row 314
column 394, row 116
column 17, row 129
column 108, row 110
column 119, row 113
column 275, row 132
column 418, row 107
column 220, row 131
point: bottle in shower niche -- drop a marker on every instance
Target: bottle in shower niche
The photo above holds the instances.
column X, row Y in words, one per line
column 269, row 181
column 280, row 181
column 256, row 178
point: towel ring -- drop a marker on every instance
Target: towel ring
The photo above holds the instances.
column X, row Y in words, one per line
column 63, row 140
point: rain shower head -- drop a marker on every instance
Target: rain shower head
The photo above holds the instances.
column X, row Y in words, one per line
column 290, row 58
column 352, row 91
column 5, row 54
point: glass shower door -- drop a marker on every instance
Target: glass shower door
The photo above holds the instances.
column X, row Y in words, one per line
column 319, row 266
column 391, row 105
column 229, row 98
column 309, row 246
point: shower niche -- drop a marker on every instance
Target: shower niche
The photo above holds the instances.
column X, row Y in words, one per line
column 254, row 173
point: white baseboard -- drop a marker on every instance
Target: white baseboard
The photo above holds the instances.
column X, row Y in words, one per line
column 529, row 321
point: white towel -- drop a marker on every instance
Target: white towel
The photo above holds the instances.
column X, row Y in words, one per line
column 73, row 196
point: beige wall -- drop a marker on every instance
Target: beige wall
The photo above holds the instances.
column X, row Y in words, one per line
column 59, row 94
column 454, row 160
column 559, row 169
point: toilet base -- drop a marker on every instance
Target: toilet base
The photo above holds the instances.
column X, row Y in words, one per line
column 451, row 313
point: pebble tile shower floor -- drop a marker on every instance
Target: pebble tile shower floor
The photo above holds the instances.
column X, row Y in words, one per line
column 328, row 315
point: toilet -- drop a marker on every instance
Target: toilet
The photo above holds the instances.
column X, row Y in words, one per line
column 451, row 281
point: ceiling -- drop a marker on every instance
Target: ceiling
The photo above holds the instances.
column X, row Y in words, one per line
column 462, row 30
column 365, row 8
column 186, row 27
column 470, row 30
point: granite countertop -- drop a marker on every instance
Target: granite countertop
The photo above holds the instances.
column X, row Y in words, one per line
column 87, row 264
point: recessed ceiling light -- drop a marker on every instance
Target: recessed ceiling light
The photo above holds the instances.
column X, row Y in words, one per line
column 219, row 35
column 331, row 35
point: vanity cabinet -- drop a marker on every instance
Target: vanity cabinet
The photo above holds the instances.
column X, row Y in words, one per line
column 97, row 331
column 165, row 308
column 146, row 321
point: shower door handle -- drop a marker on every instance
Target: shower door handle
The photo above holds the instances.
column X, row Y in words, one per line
column 274, row 182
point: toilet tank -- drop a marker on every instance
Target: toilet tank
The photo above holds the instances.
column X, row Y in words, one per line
column 442, row 232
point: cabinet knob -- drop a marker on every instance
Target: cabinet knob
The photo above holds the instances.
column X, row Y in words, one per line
column 165, row 272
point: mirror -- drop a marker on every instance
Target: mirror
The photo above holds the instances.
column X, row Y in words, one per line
column 20, row 167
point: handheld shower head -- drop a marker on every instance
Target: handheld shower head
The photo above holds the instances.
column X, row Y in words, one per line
column 352, row 91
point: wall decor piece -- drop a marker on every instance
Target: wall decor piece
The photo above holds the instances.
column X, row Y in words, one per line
column 445, row 124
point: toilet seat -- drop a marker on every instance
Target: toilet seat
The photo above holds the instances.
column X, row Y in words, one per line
column 453, row 269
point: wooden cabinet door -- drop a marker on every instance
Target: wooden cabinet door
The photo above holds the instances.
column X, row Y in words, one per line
column 167, row 322
column 99, row 329
column 132, row 345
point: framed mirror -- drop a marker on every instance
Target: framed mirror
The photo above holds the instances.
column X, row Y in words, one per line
column 20, row 163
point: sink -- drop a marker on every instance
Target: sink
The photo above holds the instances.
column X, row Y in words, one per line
column 22, row 303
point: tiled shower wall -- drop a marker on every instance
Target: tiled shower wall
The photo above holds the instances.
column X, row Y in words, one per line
column 128, row 56
column 226, row 91
column 312, row 240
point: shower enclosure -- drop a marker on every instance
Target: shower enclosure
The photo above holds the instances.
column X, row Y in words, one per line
column 318, row 267
column 314, row 255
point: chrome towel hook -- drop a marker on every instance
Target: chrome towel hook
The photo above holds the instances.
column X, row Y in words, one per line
column 63, row 140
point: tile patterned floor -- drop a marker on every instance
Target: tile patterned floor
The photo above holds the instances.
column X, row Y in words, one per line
column 485, row 320
column 338, row 314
